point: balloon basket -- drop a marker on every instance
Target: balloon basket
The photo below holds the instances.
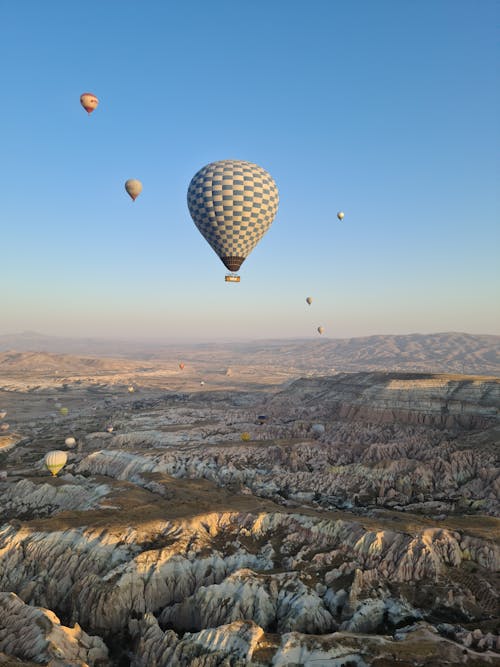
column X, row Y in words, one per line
column 232, row 279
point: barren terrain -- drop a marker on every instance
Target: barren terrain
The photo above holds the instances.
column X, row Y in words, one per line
column 358, row 525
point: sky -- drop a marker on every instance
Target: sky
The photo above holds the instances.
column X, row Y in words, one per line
column 385, row 110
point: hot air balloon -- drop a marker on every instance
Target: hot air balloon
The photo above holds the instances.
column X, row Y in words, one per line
column 181, row 366
column 309, row 300
column 318, row 429
column 4, row 427
column 3, row 414
column 340, row 215
column 55, row 461
column 64, row 411
column 109, row 429
column 202, row 383
column 233, row 204
column 133, row 187
column 70, row 442
column 321, row 330
column 245, row 436
column 89, row 102
column 130, row 389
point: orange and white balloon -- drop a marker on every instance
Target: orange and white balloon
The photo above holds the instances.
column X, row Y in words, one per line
column 89, row 102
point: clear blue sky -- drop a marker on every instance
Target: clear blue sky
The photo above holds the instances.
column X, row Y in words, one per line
column 386, row 110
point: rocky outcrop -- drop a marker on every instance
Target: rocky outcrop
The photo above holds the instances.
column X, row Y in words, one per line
column 32, row 633
column 433, row 400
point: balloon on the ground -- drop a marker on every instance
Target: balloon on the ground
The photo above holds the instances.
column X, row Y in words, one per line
column 89, row 102
column 233, row 203
column 133, row 187
column 309, row 300
column 321, row 330
column 55, row 461
column 245, row 436
column 340, row 215
column 70, row 442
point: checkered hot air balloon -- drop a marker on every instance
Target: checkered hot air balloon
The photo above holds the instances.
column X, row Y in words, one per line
column 233, row 204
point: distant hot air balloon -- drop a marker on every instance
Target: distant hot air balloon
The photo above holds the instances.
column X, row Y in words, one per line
column 309, row 300
column 202, row 383
column 340, row 215
column 130, row 389
column 318, row 429
column 229, row 372
column 181, row 366
column 64, row 411
column 109, row 429
column 4, row 427
column 321, row 330
column 89, row 102
column 245, row 436
column 233, row 203
column 133, row 187
column 70, row 442
column 3, row 414
column 55, row 461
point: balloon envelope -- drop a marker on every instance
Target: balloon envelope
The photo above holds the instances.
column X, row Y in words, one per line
column 64, row 411
column 109, row 429
column 89, row 102
column 3, row 414
column 55, row 461
column 133, row 187
column 131, row 390
column 233, row 203
column 309, row 300
column 321, row 330
column 4, row 427
column 70, row 442
column 181, row 366
column 245, row 436
column 340, row 215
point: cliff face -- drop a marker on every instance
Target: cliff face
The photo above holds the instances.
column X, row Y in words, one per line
column 440, row 401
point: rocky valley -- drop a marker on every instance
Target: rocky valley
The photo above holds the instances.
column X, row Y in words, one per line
column 337, row 519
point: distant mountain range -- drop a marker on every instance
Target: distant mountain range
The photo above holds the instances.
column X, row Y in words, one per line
column 436, row 353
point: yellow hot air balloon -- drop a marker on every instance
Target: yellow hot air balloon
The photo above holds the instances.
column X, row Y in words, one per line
column 70, row 442
column 89, row 102
column 233, row 203
column 309, row 300
column 64, row 411
column 245, row 436
column 55, row 461
column 321, row 330
column 130, row 389
column 340, row 215
column 133, row 187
